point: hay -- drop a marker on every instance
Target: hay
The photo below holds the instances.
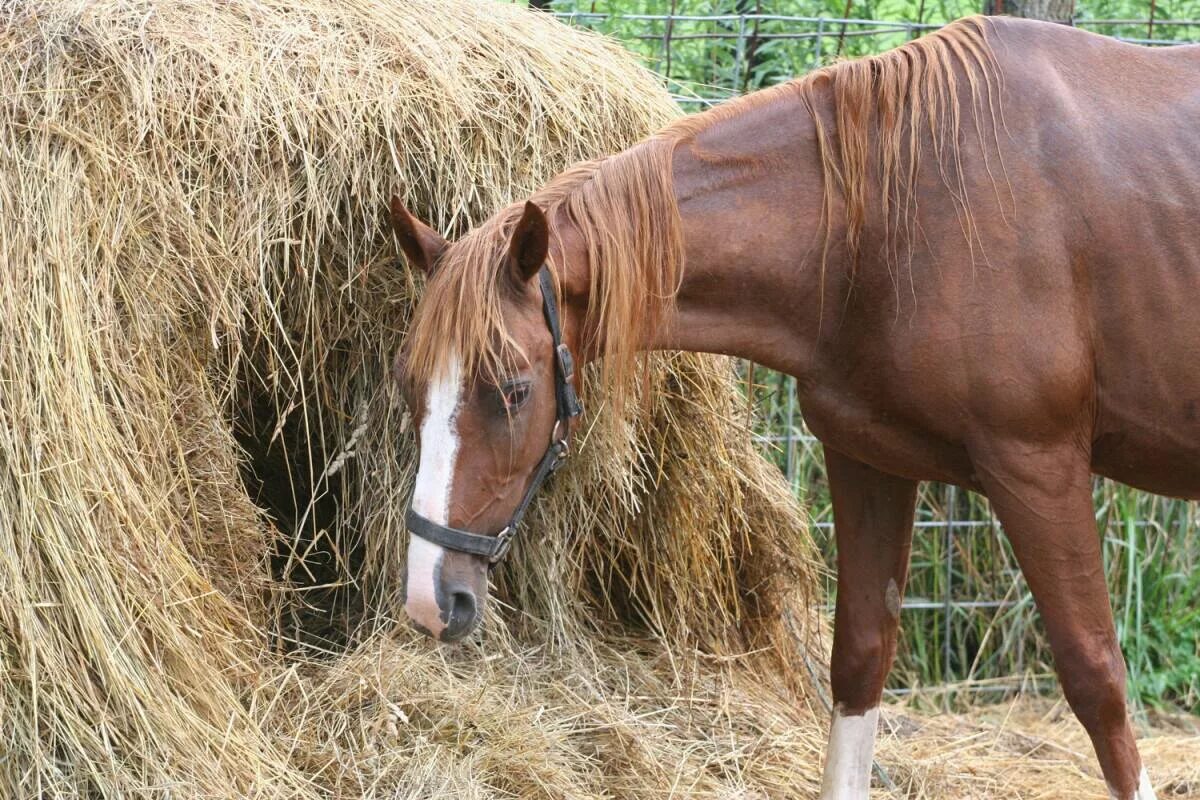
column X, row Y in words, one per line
column 205, row 466
column 1027, row 749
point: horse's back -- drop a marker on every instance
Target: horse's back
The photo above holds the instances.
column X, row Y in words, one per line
column 1102, row 139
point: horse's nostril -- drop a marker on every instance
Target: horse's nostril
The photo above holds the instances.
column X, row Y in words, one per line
column 463, row 612
column 463, row 606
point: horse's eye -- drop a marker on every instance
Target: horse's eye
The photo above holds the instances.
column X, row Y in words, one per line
column 513, row 395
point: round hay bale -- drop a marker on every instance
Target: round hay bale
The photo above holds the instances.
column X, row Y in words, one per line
column 206, row 464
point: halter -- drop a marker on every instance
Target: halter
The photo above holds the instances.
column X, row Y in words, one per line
column 494, row 548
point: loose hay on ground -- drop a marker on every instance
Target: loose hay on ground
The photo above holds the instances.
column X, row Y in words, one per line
column 205, row 465
column 1027, row 749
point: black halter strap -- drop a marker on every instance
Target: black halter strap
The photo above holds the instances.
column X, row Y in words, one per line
column 494, row 547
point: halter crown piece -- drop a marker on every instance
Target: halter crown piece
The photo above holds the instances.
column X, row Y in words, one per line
column 495, row 547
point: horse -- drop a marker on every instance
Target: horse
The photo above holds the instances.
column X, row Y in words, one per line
column 978, row 255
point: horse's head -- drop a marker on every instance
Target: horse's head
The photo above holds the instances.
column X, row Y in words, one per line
column 490, row 384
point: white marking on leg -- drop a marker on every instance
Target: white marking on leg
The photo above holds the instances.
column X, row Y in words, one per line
column 1145, row 791
column 431, row 495
column 850, row 756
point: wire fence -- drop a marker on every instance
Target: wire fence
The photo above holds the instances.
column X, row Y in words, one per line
column 968, row 624
column 737, row 47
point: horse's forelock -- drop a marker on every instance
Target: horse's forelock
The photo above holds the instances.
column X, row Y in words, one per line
column 624, row 210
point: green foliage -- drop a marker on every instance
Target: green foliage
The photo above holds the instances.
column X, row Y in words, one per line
column 747, row 49
column 1151, row 545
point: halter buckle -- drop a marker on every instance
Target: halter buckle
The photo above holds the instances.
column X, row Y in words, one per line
column 566, row 362
column 562, row 449
column 560, row 438
column 505, row 539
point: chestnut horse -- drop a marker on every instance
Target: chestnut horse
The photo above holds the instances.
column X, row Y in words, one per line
column 979, row 255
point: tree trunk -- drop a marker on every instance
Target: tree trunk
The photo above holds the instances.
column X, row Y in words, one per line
column 751, row 54
column 1050, row 10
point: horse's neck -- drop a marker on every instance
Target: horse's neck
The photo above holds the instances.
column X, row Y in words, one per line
column 749, row 190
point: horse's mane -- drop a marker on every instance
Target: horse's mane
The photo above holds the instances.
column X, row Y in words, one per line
column 625, row 209
column 634, row 277
column 883, row 106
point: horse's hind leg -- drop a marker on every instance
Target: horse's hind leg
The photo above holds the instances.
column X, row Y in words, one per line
column 1042, row 495
column 873, row 517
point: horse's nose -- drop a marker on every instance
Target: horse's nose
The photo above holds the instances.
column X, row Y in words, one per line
column 463, row 614
column 445, row 591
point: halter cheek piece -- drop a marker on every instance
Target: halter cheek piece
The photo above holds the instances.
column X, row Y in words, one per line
column 494, row 548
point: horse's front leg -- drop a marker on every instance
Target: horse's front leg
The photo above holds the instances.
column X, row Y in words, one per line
column 873, row 519
column 1042, row 494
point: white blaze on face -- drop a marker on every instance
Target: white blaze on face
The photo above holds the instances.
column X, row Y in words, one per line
column 431, row 495
column 1144, row 791
column 850, row 756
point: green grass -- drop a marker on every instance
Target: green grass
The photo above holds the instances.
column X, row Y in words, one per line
column 1151, row 546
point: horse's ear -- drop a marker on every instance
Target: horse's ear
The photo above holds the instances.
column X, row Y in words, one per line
column 422, row 245
column 529, row 244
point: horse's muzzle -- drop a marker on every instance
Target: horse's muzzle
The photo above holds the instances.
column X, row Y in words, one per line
column 445, row 592
column 462, row 617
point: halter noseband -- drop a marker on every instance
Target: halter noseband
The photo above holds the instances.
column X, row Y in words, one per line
column 494, row 548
